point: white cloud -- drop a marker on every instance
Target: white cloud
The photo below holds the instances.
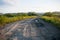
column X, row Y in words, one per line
column 13, row 2
column 14, row 7
column 30, row 5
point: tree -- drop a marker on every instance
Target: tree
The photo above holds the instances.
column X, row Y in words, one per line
column 32, row 14
column 48, row 14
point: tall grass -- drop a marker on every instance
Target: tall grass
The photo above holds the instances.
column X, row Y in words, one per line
column 52, row 19
column 5, row 19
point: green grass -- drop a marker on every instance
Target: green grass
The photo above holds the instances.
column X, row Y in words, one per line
column 13, row 17
column 52, row 19
column 5, row 20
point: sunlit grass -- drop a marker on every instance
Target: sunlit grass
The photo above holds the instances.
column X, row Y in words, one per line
column 5, row 20
column 53, row 19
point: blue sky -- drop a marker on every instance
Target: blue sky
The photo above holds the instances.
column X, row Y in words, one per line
column 29, row 5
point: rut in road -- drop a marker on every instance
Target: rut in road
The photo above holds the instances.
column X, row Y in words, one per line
column 32, row 29
column 24, row 31
column 48, row 31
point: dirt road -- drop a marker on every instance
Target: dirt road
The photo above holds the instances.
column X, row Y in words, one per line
column 31, row 29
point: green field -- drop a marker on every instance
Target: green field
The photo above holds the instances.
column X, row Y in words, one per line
column 9, row 18
column 53, row 18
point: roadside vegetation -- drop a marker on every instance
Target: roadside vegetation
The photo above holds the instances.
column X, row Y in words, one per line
column 13, row 17
column 52, row 17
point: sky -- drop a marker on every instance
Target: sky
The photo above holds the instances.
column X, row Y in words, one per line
column 14, row 6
